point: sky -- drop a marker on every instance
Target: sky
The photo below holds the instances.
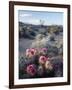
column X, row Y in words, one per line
column 34, row 17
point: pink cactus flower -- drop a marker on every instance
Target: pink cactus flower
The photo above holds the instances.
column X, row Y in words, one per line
column 31, row 70
column 31, row 52
column 43, row 50
column 42, row 59
column 27, row 52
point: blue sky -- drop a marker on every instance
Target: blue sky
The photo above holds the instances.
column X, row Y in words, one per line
column 34, row 17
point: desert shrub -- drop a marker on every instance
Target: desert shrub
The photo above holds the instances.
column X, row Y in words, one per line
column 55, row 29
column 32, row 33
column 40, row 41
column 52, row 38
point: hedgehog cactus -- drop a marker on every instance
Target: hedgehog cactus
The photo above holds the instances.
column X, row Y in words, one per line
column 36, row 63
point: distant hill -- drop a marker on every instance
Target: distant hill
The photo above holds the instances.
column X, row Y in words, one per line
column 30, row 30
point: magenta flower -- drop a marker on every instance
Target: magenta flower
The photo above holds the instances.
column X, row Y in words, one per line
column 31, row 52
column 31, row 69
column 43, row 50
column 27, row 52
column 42, row 59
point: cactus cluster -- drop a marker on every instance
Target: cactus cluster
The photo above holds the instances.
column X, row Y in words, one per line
column 36, row 64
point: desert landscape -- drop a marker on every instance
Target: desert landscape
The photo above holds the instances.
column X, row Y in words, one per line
column 40, row 50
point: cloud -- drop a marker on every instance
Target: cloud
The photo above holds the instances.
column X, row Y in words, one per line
column 25, row 15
